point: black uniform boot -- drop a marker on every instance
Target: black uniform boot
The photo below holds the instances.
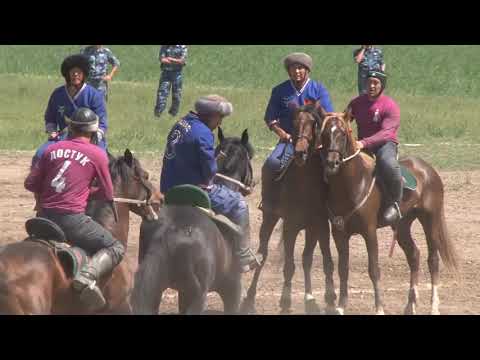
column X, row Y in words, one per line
column 86, row 281
column 247, row 260
column 392, row 214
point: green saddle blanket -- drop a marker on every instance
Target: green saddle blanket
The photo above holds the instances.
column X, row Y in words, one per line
column 409, row 181
column 191, row 195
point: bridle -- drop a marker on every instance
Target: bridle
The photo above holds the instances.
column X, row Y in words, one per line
column 343, row 158
column 147, row 202
column 247, row 182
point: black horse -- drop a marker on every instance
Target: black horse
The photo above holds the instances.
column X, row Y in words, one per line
column 186, row 251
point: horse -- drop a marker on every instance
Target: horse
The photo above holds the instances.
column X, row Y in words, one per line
column 186, row 251
column 301, row 206
column 355, row 204
column 33, row 279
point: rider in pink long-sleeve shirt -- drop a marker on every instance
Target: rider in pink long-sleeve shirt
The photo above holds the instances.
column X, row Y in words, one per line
column 378, row 122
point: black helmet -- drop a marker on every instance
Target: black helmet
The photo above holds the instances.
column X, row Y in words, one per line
column 77, row 60
column 380, row 75
column 83, row 119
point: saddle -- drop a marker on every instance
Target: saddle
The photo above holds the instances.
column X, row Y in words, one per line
column 46, row 232
column 409, row 180
column 191, row 195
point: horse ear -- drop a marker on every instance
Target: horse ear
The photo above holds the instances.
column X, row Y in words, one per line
column 245, row 137
column 321, row 111
column 128, row 157
column 348, row 115
column 220, row 135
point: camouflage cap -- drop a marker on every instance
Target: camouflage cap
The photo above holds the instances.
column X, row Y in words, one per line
column 211, row 104
column 298, row 58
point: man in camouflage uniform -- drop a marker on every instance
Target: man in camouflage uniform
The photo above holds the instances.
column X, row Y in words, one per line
column 99, row 58
column 368, row 58
column 172, row 59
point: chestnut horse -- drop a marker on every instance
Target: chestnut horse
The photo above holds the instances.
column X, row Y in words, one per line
column 32, row 279
column 301, row 206
column 355, row 202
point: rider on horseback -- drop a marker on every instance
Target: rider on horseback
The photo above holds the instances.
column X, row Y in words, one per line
column 298, row 91
column 67, row 98
column 61, row 181
column 189, row 159
column 378, row 121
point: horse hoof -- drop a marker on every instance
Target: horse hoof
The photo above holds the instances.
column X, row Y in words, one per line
column 248, row 307
column 409, row 310
column 285, row 311
column 380, row 312
column 311, row 307
column 331, row 310
column 435, row 312
column 285, row 303
column 339, row 311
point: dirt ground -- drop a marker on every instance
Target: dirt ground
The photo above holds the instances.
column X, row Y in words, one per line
column 457, row 295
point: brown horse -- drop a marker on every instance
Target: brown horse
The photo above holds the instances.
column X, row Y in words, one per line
column 355, row 202
column 32, row 278
column 301, row 206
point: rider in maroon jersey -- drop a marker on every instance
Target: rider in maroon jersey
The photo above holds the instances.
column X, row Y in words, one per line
column 61, row 181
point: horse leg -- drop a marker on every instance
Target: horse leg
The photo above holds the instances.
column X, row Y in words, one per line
column 231, row 293
column 412, row 254
column 151, row 280
column 324, row 242
column 373, row 267
column 290, row 232
column 311, row 306
column 433, row 260
column 268, row 224
column 341, row 243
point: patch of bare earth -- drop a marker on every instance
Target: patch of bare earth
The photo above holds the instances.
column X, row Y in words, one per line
column 457, row 296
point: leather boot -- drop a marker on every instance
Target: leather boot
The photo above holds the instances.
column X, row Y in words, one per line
column 392, row 214
column 270, row 191
column 247, row 260
column 86, row 281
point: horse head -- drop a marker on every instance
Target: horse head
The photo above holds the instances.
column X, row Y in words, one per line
column 306, row 119
column 131, row 185
column 335, row 140
column 234, row 157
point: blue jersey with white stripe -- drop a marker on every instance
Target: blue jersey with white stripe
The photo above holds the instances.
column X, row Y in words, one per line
column 61, row 104
column 285, row 98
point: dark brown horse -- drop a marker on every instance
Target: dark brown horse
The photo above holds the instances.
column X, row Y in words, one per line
column 186, row 251
column 32, row 279
column 355, row 202
column 301, row 206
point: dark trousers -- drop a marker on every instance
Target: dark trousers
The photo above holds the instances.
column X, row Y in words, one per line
column 389, row 170
column 87, row 234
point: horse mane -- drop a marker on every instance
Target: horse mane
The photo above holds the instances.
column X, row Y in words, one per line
column 233, row 160
column 120, row 169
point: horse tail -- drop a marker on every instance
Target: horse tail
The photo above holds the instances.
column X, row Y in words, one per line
column 151, row 279
column 444, row 242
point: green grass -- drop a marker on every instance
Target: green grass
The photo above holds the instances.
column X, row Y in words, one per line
column 437, row 88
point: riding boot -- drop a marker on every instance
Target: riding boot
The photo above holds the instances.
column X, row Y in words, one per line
column 87, row 279
column 246, row 258
column 392, row 214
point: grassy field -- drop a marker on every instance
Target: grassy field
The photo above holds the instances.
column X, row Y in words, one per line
column 437, row 88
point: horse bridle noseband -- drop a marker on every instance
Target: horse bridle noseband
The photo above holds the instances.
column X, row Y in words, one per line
column 147, row 202
column 246, row 183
